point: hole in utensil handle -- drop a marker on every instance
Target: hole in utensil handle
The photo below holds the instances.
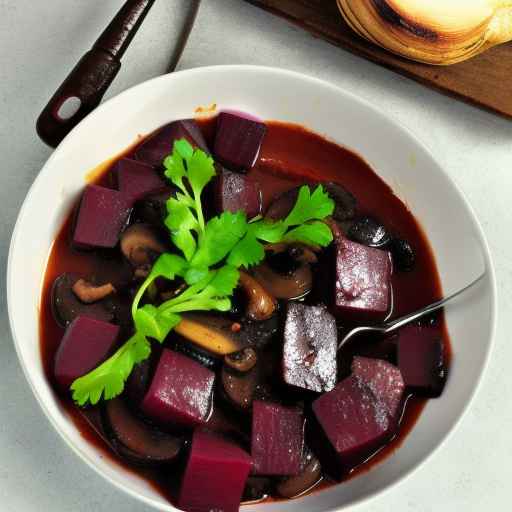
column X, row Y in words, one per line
column 80, row 93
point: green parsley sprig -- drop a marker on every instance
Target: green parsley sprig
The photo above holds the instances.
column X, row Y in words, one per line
column 212, row 251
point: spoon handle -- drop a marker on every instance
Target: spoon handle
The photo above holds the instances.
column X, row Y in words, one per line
column 396, row 324
column 406, row 319
column 83, row 89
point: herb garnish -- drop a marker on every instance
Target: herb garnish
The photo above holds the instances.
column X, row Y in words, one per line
column 211, row 251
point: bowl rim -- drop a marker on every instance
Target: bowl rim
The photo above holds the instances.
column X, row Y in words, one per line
column 315, row 82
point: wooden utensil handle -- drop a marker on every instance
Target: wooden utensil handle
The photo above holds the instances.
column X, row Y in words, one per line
column 83, row 89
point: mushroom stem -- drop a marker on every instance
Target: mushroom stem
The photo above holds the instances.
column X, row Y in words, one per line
column 208, row 337
column 89, row 293
column 261, row 304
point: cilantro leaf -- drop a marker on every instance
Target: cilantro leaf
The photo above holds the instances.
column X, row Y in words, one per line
column 220, row 236
column 108, row 378
column 247, row 252
column 201, row 170
column 151, row 323
column 313, row 233
column 271, row 232
column 310, row 206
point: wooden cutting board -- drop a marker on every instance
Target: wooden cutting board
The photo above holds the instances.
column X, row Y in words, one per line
column 485, row 80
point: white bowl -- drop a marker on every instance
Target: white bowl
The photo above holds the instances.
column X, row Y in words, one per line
column 397, row 156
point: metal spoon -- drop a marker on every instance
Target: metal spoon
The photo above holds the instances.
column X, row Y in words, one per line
column 397, row 323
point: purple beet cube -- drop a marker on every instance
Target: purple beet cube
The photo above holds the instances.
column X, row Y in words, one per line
column 180, row 392
column 86, row 344
column 421, row 360
column 384, row 380
column 238, row 141
column 354, row 422
column 136, row 179
column 102, row 214
column 363, row 281
column 234, row 191
column 215, row 475
column 310, row 347
column 159, row 145
column 277, row 439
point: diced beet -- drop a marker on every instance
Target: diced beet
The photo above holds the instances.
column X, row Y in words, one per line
column 159, row 145
column 238, row 141
column 86, row 343
column 215, row 475
column 385, row 381
column 136, row 179
column 310, row 348
column 354, row 422
column 277, row 439
column 134, row 439
column 363, row 287
column 421, row 360
column 102, row 214
column 180, row 392
column 234, row 191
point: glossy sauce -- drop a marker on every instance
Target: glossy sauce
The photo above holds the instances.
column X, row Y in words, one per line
column 290, row 155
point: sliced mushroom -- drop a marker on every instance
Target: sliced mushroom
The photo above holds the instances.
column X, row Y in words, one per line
column 139, row 244
column 261, row 305
column 257, row 488
column 213, row 333
column 282, row 205
column 204, row 357
column 242, row 361
column 136, row 441
column 88, row 292
column 344, row 200
column 240, row 388
column 287, row 258
column 66, row 306
column 293, row 286
column 152, row 209
column 310, row 475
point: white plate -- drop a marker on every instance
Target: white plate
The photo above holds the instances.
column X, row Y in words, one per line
column 397, row 156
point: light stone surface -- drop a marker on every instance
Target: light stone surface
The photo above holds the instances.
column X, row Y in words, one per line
column 39, row 43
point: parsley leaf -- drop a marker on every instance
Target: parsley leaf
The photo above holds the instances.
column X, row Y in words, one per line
column 315, row 206
column 220, row 236
column 108, row 378
column 150, row 322
column 313, row 233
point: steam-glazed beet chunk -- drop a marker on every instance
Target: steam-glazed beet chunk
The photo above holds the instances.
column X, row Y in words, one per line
column 136, row 179
column 160, row 144
column 180, row 392
column 238, row 141
column 102, row 215
column 215, row 475
column 385, row 381
column 86, row 344
column 354, row 422
column 421, row 360
column 235, row 192
column 363, row 287
column 310, row 346
column 277, row 439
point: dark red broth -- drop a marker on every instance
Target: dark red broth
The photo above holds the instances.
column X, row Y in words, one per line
column 290, row 155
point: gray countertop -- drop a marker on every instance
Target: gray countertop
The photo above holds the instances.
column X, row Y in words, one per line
column 39, row 43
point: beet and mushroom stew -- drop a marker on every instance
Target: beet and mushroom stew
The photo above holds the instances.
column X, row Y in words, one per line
column 194, row 299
